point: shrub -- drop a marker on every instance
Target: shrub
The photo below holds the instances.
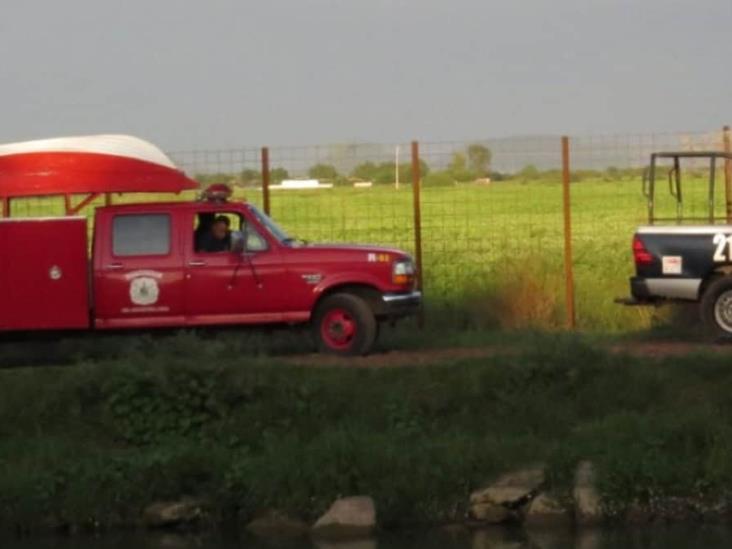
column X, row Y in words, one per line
column 612, row 174
column 463, row 176
column 277, row 175
column 92, row 444
column 438, row 179
column 518, row 297
column 479, row 159
column 326, row 172
column 250, row 177
column 385, row 173
column 528, row 173
column 365, row 172
column 458, row 169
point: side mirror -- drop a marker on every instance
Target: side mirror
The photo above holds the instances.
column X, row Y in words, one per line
column 238, row 242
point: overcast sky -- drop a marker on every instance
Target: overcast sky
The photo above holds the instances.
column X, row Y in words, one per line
column 217, row 73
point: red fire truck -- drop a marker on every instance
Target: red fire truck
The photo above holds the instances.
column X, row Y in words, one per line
column 147, row 267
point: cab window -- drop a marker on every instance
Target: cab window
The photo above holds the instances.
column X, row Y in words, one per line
column 217, row 232
column 141, row 234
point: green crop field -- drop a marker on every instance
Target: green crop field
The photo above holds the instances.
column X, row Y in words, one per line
column 492, row 254
column 496, row 251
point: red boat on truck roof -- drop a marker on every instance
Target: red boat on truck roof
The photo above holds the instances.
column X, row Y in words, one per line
column 177, row 264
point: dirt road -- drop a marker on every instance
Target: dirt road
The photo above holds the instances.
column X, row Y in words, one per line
column 396, row 359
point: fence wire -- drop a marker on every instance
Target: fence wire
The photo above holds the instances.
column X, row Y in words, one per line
column 492, row 229
column 491, row 211
column 344, row 193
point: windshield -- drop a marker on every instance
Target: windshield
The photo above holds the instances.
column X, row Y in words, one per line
column 276, row 231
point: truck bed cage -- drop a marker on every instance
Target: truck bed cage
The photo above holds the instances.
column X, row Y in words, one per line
column 674, row 184
column 694, row 154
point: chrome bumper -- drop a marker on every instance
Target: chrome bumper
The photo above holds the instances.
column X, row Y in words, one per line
column 397, row 305
column 665, row 288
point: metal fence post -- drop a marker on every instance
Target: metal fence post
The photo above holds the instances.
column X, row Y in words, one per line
column 727, row 173
column 567, row 207
column 417, row 208
column 265, row 179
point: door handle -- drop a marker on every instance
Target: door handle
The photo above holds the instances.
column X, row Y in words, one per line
column 197, row 263
column 115, row 266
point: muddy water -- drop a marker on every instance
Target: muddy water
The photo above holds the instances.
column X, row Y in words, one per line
column 677, row 537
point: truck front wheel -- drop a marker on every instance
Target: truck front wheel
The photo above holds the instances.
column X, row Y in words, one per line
column 716, row 307
column 344, row 324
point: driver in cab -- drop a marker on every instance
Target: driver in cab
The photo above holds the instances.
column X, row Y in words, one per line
column 217, row 238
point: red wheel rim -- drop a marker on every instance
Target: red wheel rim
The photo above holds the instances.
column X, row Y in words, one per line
column 338, row 329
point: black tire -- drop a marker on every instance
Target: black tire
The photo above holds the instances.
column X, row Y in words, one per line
column 716, row 308
column 345, row 325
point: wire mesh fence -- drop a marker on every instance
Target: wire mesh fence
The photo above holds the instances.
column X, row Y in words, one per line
column 492, row 215
column 491, row 232
column 344, row 193
column 241, row 169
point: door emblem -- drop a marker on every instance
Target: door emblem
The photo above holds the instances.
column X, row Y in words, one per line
column 144, row 289
column 55, row 273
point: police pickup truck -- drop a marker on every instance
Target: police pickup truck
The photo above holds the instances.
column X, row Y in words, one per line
column 682, row 262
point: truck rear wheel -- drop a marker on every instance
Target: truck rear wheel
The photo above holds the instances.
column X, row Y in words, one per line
column 344, row 324
column 716, row 307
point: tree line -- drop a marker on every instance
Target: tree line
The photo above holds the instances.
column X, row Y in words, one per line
column 470, row 165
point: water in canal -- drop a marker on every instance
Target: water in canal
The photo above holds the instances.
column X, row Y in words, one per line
column 656, row 537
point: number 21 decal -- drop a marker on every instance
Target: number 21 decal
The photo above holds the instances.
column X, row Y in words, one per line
column 723, row 252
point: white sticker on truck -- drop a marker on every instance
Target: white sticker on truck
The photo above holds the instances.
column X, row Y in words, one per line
column 144, row 289
column 723, row 248
column 672, row 264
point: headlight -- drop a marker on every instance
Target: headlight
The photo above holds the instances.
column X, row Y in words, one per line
column 403, row 272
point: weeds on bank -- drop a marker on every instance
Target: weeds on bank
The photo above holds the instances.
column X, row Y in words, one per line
column 98, row 441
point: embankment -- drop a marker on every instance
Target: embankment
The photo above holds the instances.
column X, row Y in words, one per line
column 94, row 443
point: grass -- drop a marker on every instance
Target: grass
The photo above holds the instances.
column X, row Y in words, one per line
column 496, row 248
column 94, row 442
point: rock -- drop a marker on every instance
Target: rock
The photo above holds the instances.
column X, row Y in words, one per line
column 490, row 513
column 274, row 524
column 545, row 510
column 675, row 509
column 347, row 518
column 512, row 489
column 588, row 506
column 173, row 513
column 638, row 514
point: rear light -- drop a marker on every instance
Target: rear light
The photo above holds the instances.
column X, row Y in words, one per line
column 641, row 256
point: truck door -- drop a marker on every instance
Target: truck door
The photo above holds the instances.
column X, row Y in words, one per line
column 225, row 286
column 138, row 274
column 44, row 274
